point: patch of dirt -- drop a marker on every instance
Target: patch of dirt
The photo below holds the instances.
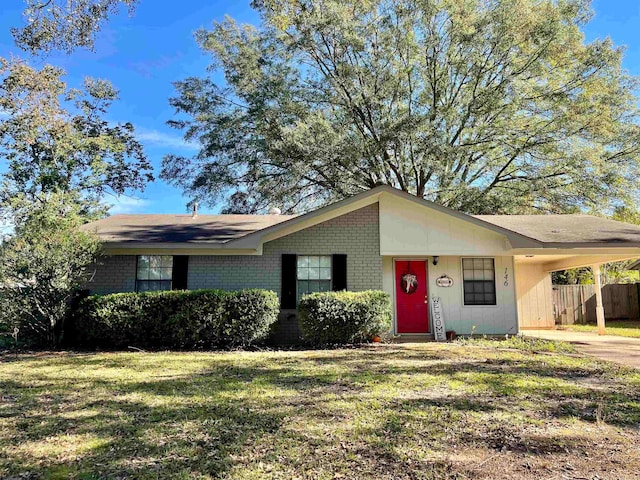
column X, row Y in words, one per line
column 596, row 455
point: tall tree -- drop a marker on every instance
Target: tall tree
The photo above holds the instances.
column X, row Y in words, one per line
column 62, row 158
column 65, row 24
column 482, row 105
column 56, row 139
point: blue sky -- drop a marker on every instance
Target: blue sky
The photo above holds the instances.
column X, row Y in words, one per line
column 142, row 55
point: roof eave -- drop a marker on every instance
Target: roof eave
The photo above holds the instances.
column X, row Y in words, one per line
column 575, row 245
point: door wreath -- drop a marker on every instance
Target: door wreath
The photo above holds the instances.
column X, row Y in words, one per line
column 408, row 280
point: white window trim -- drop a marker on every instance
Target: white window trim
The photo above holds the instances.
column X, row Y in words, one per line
column 495, row 281
column 298, row 280
column 146, row 280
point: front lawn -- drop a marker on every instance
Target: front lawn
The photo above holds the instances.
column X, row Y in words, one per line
column 410, row 411
column 624, row 328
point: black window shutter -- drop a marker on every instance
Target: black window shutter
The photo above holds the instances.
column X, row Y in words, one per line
column 339, row 272
column 288, row 284
column 180, row 272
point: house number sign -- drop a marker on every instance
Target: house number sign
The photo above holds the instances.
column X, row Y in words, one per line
column 439, row 331
column 444, row 281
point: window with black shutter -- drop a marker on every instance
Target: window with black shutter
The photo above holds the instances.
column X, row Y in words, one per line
column 313, row 274
column 303, row 274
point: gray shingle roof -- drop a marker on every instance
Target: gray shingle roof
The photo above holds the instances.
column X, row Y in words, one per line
column 582, row 229
column 547, row 231
column 157, row 228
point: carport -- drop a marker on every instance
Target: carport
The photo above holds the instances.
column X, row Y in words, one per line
column 566, row 241
column 534, row 288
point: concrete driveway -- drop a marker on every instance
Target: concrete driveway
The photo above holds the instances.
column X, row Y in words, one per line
column 622, row 350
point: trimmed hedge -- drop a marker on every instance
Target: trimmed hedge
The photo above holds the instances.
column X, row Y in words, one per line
column 344, row 317
column 175, row 319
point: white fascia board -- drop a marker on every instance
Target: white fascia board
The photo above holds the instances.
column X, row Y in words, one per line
column 605, row 249
column 579, row 261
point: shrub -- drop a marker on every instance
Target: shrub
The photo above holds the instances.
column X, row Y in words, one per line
column 344, row 317
column 175, row 319
column 42, row 263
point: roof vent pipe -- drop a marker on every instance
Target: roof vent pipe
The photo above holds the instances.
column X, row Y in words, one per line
column 195, row 210
column 275, row 211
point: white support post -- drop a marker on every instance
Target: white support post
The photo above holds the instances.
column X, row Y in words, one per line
column 599, row 307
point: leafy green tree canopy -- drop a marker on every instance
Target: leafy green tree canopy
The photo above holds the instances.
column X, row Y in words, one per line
column 56, row 139
column 65, row 24
column 484, row 106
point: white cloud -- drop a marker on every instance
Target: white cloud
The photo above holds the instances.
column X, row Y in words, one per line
column 125, row 204
column 160, row 139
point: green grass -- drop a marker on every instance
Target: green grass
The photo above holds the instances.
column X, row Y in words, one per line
column 415, row 411
column 518, row 342
column 623, row 328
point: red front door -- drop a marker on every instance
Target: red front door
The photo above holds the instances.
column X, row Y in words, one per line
column 412, row 307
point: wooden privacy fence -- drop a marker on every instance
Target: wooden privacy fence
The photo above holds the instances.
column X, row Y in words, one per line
column 577, row 303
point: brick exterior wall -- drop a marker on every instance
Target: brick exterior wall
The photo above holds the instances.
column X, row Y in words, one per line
column 114, row 274
column 355, row 234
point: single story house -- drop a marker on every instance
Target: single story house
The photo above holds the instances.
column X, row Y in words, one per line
column 490, row 274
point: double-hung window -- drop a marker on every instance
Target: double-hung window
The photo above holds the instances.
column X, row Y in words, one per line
column 479, row 279
column 154, row 273
column 313, row 274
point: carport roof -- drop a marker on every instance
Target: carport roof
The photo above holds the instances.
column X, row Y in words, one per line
column 568, row 229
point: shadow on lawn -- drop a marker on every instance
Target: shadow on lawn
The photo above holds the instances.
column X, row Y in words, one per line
column 166, row 439
column 206, row 422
